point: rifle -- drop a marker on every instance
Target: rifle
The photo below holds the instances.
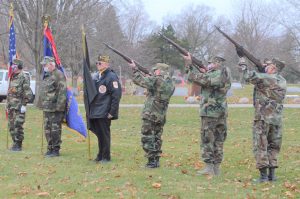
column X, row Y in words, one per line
column 183, row 51
column 242, row 51
column 128, row 59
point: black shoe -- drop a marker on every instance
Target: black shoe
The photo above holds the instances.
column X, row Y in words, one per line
column 98, row 158
column 263, row 175
column 48, row 153
column 16, row 147
column 104, row 161
column 271, row 175
column 152, row 163
column 54, row 154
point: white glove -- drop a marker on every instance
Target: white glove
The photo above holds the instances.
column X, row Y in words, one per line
column 23, row 109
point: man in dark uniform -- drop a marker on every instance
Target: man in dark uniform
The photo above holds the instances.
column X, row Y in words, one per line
column 53, row 92
column 19, row 94
column 105, row 106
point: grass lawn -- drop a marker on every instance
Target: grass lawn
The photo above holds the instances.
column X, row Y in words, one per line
column 28, row 174
column 247, row 91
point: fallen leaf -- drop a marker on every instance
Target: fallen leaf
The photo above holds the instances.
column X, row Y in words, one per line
column 289, row 194
column 266, row 189
column 184, row 171
column 43, row 194
column 156, row 185
column 22, row 174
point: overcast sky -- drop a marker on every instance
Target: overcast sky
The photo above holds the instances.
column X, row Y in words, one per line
column 158, row 9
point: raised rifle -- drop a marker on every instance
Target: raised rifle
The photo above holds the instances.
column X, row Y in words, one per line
column 183, row 51
column 241, row 51
column 128, row 59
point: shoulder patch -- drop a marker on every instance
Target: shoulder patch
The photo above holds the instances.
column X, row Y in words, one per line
column 102, row 89
column 115, row 84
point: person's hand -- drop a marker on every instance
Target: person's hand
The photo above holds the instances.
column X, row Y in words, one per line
column 23, row 109
column 187, row 59
column 109, row 116
column 132, row 65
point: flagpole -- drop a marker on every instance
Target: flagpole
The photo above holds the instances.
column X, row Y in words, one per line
column 84, row 54
column 42, row 142
column 89, row 146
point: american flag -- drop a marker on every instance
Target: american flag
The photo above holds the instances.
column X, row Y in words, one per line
column 12, row 44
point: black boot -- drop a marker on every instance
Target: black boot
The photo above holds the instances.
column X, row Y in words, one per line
column 272, row 176
column 98, row 158
column 55, row 153
column 17, row 146
column 152, row 162
column 263, row 175
column 48, row 153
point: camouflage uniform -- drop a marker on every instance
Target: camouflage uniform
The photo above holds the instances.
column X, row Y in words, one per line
column 267, row 134
column 53, row 92
column 160, row 88
column 213, row 111
column 19, row 94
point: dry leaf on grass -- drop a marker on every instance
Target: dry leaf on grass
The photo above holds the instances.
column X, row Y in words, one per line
column 156, row 185
column 43, row 194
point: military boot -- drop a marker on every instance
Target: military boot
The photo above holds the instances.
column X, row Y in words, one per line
column 17, row 146
column 272, row 176
column 263, row 175
column 217, row 169
column 208, row 170
column 152, row 162
column 55, row 153
column 48, row 153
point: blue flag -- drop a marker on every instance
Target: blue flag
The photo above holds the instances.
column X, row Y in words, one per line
column 73, row 118
column 12, row 43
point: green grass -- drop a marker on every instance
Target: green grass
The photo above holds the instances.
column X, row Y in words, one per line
column 26, row 174
column 247, row 91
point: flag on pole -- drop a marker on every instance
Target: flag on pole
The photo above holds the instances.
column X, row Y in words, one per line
column 12, row 40
column 73, row 118
column 89, row 88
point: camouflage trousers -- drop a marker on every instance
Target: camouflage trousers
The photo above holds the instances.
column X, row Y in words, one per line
column 151, row 138
column 267, row 140
column 52, row 129
column 16, row 120
column 213, row 134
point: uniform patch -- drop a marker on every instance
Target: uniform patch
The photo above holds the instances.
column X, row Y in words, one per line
column 115, row 84
column 102, row 89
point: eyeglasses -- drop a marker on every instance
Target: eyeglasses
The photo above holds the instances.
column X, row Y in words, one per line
column 98, row 63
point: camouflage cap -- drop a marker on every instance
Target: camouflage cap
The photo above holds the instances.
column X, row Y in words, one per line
column 47, row 59
column 218, row 59
column 103, row 58
column 161, row 66
column 279, row 64
column 18, row 62
column 267, row 61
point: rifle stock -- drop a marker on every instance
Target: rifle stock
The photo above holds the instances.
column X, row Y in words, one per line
column 244, row 51
column 128, row 59
column 183, row 51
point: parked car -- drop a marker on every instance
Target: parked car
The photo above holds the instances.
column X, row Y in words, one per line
column 4, row 84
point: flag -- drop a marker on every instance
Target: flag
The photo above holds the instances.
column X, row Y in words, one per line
column 12, row 41
column 89, row 88
column 73, row 118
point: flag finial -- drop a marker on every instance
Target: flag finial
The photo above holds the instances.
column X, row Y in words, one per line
column 46, row 19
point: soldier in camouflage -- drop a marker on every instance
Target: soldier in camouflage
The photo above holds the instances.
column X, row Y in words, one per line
column 19, row 94
column 53, row 92
column 215, row 81
column 160, row 88
column 267, row 126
